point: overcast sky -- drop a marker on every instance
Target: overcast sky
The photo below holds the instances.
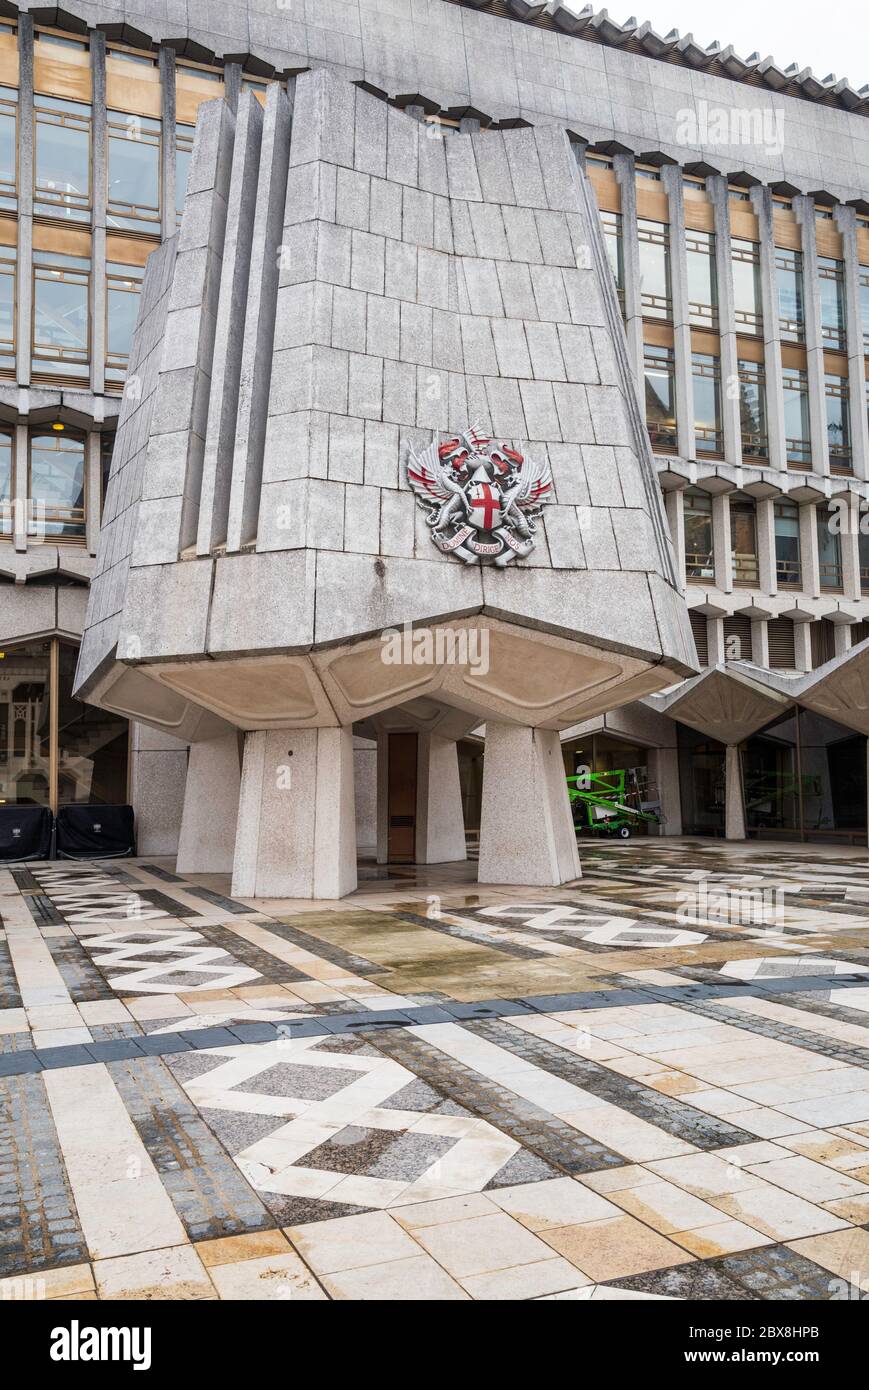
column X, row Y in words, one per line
column 832, row 36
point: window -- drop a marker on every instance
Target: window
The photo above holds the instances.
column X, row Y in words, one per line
column 8, row 148
column 798, row 442
column 61, row 317
column 62, row 162
column 780, row 636
column 747, row 300
column 90, row 763
column 612, row 228
column 7, row 312
column 863, row 543
column 655, row 286
column 183, row 151
column 700, row 633
column 134, row 173
column 864, row 305
column 752, row 410
column 123, row 287
column 832, row 283
column 743, row 539
column 660, row 378
column 737, row 638
column 107, row 444
column 706, row 372
column 787, row 545
column 791, row 307
column 702, row 280
column 838, row 423
column 829, row 550
column 57, row 486
column 699, row 548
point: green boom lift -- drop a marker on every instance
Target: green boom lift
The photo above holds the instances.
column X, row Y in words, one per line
column 611, row 803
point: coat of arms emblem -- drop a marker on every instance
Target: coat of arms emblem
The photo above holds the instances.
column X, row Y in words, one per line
column 482, row 500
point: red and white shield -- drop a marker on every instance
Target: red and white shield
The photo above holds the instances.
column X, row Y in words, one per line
column 485, row 502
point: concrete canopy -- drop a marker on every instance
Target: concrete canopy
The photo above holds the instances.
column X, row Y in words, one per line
column 726, row 702
column 344, row 287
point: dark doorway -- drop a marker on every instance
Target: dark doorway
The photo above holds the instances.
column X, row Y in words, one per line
column 401, row 798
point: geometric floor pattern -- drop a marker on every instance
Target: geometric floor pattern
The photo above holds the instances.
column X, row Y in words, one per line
column 668, row 1099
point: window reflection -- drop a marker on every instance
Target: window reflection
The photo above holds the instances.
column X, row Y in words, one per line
column 57, row 484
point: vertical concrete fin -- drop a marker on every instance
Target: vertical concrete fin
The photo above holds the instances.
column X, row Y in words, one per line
column 190, row 328
column 259, row 322
column 226, row 362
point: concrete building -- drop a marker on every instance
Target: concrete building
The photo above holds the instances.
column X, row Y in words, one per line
column 730, row 197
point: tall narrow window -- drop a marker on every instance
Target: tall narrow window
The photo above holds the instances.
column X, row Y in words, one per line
column 747, row 300
column 655, row 285
column 62, row 163
column 743, row 539
column 752, row 410
column 8, row 148
column 123, row 287
column 57, row 486
column 863, row 543
column 788, row 569
column 61, row 317
column 660, row 379
column 702, row 280
column 864, row 305
column 706, row 372
column 838, row 423
column 612, row 227
column 183, row 151
column 7, row 311
column 699, row 551
column 791, row 306
column 798, row 441
column 829, row 550
column 134, row 173
column 832, row 282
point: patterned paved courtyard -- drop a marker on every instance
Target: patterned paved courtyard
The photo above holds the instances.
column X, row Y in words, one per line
column 650, row 1084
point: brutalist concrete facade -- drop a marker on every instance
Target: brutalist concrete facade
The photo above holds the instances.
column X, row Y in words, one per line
column 642, row 106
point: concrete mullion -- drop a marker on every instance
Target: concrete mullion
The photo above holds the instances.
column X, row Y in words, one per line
column 809, row 561
column 716, row 188
column 765, row 522
column 804, row 207
column 803, row 646
column 846, row 220
column 671, row 177
column 721, row 542
column 168, row 216
column 849, row 540
column 715, row 640
column 759, row 642
column 99, row 198
column 93, row 490
column 26, row 155
column 674, row 504
column 232, row 84
column 21, row 488
column 623, row 166
column 772, row 359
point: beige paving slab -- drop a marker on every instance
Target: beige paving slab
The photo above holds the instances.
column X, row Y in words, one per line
column 283, row 1277
column 524, row 1281
column 844, row 1253
column 481, row 1245
column 615, row 1248
column 351, row 1242
column 133, row 1213
column 418, row 1278
column 558, row 1202
column 170, row 1273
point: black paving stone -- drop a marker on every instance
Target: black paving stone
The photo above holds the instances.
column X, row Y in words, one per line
column 17, row 1063
column 208, row 1037
column 253, row 1032
column 157, row 1044
column 489, row 1008
column 114, row 1049
column 373, row 1021
column 76, row 1055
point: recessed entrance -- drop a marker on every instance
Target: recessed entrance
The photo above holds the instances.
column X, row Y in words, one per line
column 401, row 798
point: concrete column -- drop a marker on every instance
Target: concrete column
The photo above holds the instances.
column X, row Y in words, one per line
column 809, row 561
column 158, row 767
column 803, row 646
column 527, row 834
column 232, row 84
column 846, row 221
column 167, row 144
column 804, row 207
column 26, row 154
column 210, row 815
column 849, row 541
column 734, row 804
column 93, row 489
column 365, row 794
column 296, row 835
column 775, row 401
column 721, row 542
column 716, row 189
column 841, row 639
column 20, row 487
column 671, row 177
column 765, row 514
column 715, row 640
column 440, row 825
column 674, row 504
column 759, row 642
column 623, row 167
column 667, row 773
